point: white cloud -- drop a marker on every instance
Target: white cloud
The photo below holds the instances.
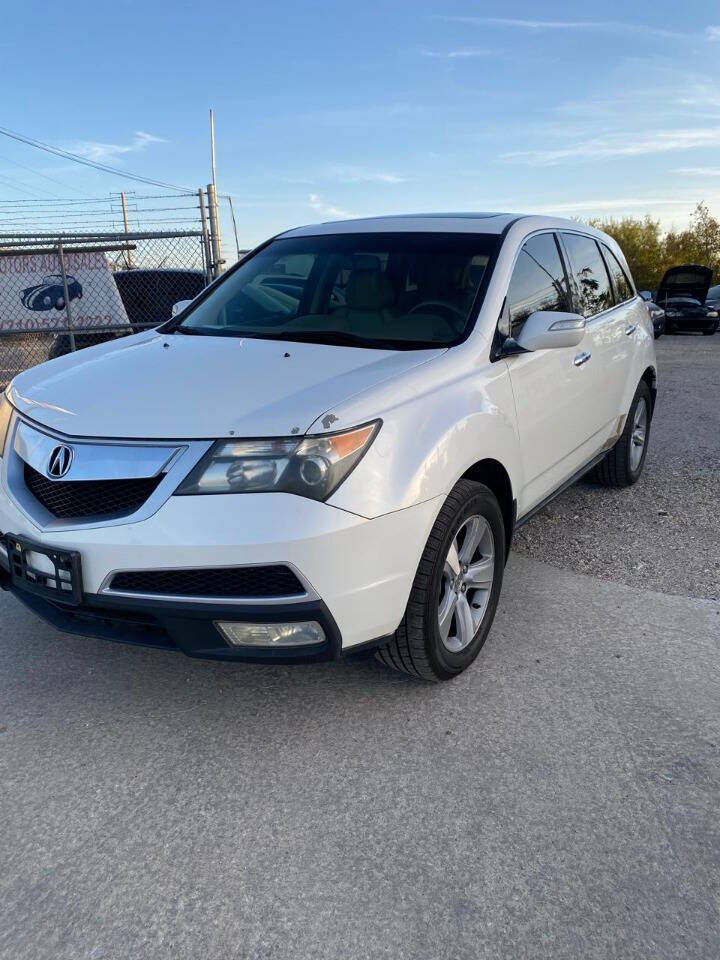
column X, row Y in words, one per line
column 342, row 173
column 100, row 152
column 350, row 174
column 700, row 171
column 621, row 145
column 623, row 203
column 712, row 33
column 326, row 209
column 458, row 54
column 613, row 26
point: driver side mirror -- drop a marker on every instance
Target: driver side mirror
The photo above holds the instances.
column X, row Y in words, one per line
column 546, row 329
column 180, row 306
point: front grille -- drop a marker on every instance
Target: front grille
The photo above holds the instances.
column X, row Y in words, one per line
column 73, row 499
column 237, row 582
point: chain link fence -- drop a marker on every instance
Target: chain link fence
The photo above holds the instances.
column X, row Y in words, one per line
column 60, row 294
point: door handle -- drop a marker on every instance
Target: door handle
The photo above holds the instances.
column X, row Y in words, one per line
column 582, row 358
column 630, row 329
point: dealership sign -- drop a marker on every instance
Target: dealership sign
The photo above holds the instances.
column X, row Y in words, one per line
column 33, row 294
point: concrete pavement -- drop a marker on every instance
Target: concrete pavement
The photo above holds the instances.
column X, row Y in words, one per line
column 558, row 800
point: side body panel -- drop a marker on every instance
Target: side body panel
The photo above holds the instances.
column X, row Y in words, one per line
column 435, row 427
column 560, row 421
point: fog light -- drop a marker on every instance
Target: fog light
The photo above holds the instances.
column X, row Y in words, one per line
column 302, row 634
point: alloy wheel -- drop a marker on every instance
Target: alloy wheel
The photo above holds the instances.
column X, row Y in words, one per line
column 638, row 436
column 466, row 583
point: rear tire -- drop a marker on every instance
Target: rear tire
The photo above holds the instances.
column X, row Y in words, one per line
column 623, row 465
column 455, row 592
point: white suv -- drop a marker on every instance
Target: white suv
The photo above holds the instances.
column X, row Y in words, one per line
column 329, row 449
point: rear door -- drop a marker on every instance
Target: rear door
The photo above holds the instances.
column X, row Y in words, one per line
column 556, row 393
column 626, row 329
column 607, row 341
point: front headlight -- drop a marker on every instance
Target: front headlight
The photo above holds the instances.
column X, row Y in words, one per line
column 712, row 313
column 309, row 467
column 672, row 313
column 6, row 412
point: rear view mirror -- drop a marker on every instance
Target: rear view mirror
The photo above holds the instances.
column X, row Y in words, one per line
column 545, row 329
column 180, row 306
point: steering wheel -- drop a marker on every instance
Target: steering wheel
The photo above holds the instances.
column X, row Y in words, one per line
column 438, row 303
column 453, row 313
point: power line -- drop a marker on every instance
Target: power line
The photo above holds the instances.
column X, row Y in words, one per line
column 37, row 173
column 110, row 196
column 14, row 186
column 104, row 167
column 71, row 213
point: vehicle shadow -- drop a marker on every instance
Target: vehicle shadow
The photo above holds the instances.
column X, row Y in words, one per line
column 104, row 681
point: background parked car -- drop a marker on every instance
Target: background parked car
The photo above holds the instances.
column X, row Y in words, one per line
column 657, row 314
column 148, row 297
column 683, row 292
column 713, row 298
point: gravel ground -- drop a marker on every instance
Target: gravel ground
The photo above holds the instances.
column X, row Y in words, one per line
column 664, row 532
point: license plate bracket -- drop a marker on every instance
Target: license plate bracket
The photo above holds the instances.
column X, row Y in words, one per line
column 60, row 580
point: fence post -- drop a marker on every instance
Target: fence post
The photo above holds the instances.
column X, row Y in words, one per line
column 214, row 229
column 68, row 311
column 205, row 237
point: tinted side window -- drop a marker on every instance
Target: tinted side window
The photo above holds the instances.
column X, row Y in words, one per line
column 623, row 290
column 592, row 283
column 538, row 281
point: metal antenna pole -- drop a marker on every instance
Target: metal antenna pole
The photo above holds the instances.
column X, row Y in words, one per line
column 212, row 148
column 213, row 204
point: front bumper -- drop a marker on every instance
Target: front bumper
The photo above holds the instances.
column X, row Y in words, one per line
column 186, row 627
column 691, row 323
column 360, row 571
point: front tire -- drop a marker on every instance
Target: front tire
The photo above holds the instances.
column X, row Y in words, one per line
column 455, row 592
column 623, row 465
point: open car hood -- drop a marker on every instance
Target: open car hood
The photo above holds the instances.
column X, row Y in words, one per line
column 688, row 280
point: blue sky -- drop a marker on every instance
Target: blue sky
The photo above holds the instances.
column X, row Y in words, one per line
column 333, row 109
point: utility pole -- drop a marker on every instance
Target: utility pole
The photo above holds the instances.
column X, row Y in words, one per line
column 128, row 255
column 212, row 203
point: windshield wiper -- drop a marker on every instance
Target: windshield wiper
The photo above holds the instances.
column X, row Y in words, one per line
column 331, row 337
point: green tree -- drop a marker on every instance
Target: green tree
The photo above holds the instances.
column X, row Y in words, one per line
column 643, row 245
column 650, row 253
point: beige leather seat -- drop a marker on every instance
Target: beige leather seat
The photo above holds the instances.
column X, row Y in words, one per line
column 368, row 297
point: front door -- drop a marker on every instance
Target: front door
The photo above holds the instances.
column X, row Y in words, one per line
column 556, row 390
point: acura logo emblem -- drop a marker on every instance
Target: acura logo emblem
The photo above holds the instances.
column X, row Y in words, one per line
column 60, row 460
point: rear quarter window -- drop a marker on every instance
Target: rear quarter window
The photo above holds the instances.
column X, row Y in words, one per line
column 592, row 282
column 621, row 285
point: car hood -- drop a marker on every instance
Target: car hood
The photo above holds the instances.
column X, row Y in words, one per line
column 156, row 386
column 689, row 280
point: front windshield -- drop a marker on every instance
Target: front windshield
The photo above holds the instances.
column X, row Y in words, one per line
column 403, row 291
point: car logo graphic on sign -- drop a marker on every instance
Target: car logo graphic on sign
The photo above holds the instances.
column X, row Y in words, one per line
column 59, row 463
